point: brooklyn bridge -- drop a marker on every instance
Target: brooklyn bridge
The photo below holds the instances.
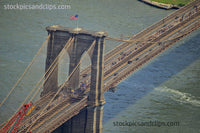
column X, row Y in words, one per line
column 76, row 106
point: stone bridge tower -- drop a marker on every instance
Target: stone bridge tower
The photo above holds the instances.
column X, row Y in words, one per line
column 90, row 119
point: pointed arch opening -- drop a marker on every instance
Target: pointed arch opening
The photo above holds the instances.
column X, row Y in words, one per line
column 85, row 69
column 63, row 68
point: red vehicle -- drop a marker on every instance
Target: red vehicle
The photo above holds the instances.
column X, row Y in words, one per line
column 12, row 127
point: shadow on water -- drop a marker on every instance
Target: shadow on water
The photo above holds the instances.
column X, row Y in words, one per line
column 160, row 69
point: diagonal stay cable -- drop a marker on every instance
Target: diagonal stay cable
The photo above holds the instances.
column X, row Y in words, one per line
column 49, row 71
column 70, row 40
column 24, row 71
column 52, row 67
column 28, row 67
column 69, row 77
column 42, row 112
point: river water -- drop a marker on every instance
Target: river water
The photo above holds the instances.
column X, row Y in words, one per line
column 167, row 89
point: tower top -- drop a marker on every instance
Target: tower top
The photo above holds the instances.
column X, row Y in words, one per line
column 76, row 31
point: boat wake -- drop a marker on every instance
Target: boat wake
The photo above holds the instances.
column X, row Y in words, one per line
column 179, row 96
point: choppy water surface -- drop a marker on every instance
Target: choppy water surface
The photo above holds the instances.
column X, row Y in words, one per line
column 166, row 89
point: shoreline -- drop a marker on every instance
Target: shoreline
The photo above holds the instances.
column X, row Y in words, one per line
column 160, row 5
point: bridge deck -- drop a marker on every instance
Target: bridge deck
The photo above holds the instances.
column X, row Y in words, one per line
column 119, row 63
